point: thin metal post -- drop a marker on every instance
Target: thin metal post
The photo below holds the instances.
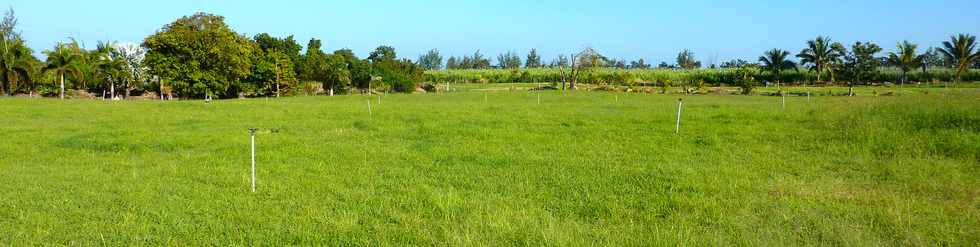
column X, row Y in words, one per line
column 252, row 133
column 784, row 99
column 539, row 98
column 680, row 103
column 369, row 107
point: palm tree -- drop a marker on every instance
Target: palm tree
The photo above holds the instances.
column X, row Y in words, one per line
column 65, row 58
column 960, row 50
column 111, row 65
column 15, row 63
column 775, row 61
column 905, row 59
column 819, row 53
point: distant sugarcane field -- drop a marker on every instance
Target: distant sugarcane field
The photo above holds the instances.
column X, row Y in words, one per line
column 199, row 135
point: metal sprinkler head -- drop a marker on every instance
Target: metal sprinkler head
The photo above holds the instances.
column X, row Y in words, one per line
column 252, row 130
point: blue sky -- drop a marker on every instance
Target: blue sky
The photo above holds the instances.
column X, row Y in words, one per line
column 653, row 30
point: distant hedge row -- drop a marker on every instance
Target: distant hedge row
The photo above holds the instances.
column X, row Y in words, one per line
column 709, row 76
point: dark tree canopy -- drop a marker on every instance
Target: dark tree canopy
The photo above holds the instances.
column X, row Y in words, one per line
column 199, row 54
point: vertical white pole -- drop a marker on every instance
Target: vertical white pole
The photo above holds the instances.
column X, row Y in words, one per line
column 617, row 99
column 680, row 103
column 784, row 100
column 539, row 98
column 379, row 99
column 807, row 96
column 369, row 107
column 253, row 159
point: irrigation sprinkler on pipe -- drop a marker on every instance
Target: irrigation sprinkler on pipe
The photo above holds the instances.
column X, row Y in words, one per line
column 680, row 103
column 539, row 98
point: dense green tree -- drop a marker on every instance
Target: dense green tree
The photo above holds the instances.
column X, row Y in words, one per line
column 400, row 75
column 272, row 71
column 431, row 60
column 383, row 53
column 533, row 59
column 775, row 61
column 360, row 70
column 639, row 64
column 819, row 53
column 330, row 70
column 509, row 60
column 287, row 46
column 906, row 59
column 961, row 51
column 476, row 61
column 686, row 60
column 199, row 55
column 64, row 59
column 133, row 54
column 452, row 63
column 110, row 66
column 861, row 63
column 16, row 60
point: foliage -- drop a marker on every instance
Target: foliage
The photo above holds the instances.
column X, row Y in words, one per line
column 198, row 55
column 961, row 51
column 819, row 54
column 686, row 60
column 431, row 60
column 533, row 59
column 508, row 60
column 746, row 78
column 17, row 62
column 861, row 63
column 906, row 59
column 67, row 59
column 775, row 61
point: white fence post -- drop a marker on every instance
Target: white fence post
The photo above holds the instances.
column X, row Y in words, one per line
column 680, row 103
column 251, row 131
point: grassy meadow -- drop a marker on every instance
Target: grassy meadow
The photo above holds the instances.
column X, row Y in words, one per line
column 496, row 168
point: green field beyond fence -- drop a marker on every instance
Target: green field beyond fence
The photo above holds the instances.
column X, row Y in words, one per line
column 495, row 168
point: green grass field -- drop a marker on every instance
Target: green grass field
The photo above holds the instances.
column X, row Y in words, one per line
column 498, row 168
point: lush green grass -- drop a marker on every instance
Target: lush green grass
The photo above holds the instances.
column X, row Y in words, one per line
column 453, row 169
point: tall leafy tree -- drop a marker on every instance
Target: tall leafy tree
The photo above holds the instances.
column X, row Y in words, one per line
column 133, row 54
column 533, row 59
column 452, row 63
column 16, row 59
column 431, row 60
column 199, row 55
column 110, row 66
column 861, row 63
column 906, row 59
column 330, row 70
column 686, row 60
column 819, row 53
column 961, row 51
column 360, row 70
column 287, row 46
column 65, row 58
column 509, row 60
column 639, row 64
column 775, row 61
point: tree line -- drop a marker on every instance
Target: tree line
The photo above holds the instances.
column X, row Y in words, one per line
column 200, row 56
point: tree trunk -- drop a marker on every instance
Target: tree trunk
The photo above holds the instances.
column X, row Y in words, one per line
column 112, row 91
column 62, row 85
column 819, row 71
column 331, row 91
column 161, row 88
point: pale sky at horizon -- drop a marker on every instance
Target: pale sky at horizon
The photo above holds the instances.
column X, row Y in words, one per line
column 653, row 30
